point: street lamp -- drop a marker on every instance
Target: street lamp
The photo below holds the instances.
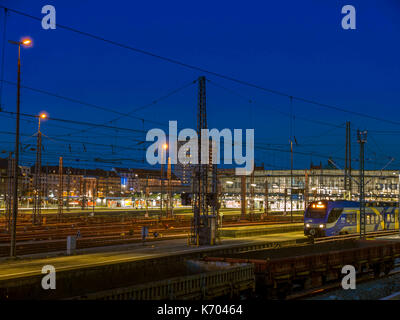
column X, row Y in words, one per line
column 38, row 168
column 23, row 42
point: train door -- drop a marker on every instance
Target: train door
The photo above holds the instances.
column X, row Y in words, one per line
column 380, row 218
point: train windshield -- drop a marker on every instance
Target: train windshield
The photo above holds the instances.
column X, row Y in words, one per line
column 316, row 211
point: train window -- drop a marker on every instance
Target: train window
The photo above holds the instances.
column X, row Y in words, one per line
column 368, row 219
column 354, row 218
column 316, row 213
column 350, row 218
column 334, row 214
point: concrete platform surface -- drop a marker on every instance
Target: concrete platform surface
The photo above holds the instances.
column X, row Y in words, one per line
column 268, row 226
column 260, row 230
column 10, row 269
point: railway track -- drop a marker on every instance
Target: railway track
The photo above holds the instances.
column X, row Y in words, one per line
column 52, row 237
column 354, row 236
column 62, row 231
column 335, row 285
column 30, row 248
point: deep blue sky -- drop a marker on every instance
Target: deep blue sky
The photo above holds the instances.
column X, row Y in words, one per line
column 297, row 47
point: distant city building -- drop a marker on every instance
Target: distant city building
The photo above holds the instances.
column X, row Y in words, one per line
column 184, row 171
column 138, row 180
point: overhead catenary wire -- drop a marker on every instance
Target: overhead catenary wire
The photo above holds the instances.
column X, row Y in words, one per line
column 206, row 71
column 3, row 57
column 139, row 149
column 215, row 74
column 103, row 108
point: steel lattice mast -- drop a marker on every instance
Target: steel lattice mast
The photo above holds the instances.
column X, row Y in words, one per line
column 362, row 138
column 204, row 225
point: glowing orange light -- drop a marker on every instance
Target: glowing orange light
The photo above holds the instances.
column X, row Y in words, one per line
column 165, row 146
column 43, row 116
column 27, row 42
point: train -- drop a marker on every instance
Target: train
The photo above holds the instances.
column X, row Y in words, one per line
column 327, row 218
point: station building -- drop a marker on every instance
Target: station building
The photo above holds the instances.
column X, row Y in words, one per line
column 284, row 190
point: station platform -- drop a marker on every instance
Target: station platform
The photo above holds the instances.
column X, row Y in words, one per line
column 25, row 267
column 250, row 231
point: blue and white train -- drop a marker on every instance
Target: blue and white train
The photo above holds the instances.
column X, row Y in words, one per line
column 331, row 218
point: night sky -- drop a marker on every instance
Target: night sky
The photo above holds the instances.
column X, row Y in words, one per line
column 295, row 47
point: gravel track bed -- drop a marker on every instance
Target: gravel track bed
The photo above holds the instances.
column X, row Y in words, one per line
column 372, row 290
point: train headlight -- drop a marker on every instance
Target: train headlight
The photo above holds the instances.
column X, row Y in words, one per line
column 307, row 225
column 321, row 226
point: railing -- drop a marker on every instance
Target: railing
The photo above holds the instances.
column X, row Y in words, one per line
column 204, row 286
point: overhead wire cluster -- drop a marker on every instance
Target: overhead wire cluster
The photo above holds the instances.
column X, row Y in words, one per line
column 95, row 153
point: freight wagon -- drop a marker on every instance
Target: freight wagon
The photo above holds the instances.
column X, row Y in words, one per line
column 204, row 280
column 279, row 271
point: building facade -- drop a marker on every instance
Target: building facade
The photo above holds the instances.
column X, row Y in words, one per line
column 283, row 190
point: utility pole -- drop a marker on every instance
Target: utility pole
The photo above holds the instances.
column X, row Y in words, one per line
column 243, row 201
column 285, row 195
column 291, row 160
column 216, row 189
column 252, row 185
column 84, row 206
column 46, row 186
column 94, row 195
column 214, row 224
column 291, row 180
column 81, row 192
column 68, row 187
column 37, row 199
column 164, row 147
column 362, row 139
column 162, row 188
column 306, row 190
column 347, row 168
column 398, row 200
column 266, row 204
column 25, row 42
column 169, row 196
column 9, row 199
column 16, row 159
column 147, row 196
column 60, row 188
